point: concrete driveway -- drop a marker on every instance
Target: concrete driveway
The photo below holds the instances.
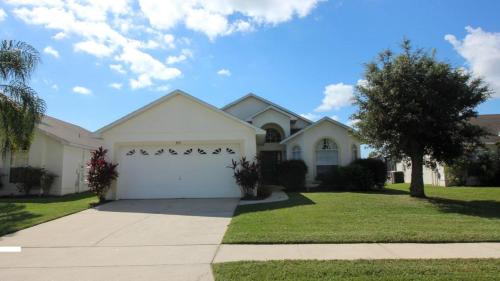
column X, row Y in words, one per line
column 122, row 240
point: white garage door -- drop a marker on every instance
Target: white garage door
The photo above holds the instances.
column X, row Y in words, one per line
column 177, row 171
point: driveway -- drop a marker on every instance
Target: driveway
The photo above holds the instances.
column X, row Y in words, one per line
column 123, row 240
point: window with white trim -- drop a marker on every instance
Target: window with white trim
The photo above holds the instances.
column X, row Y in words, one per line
column 354, row 152
column 296, row 153
column 272, row 135
column 327, row 156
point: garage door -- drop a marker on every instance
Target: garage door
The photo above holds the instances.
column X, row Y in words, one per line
column 177, row 171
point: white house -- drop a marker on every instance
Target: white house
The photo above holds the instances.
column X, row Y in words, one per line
column 59, row 147
column 180, row 147
column 437, row 176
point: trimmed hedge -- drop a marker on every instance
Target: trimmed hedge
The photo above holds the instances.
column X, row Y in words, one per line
column 377, row 167
column 292, row 174
column 360, row 175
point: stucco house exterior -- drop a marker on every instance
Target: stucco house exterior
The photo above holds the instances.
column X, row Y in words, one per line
column 59, row 147
column 180, row 147
column 437, row 176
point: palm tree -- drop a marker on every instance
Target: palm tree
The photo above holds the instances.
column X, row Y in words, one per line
column 20, row 107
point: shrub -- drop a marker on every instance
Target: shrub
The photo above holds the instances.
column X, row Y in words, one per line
column 353, row 177
column 398, row 176
column 26, row 178
column 101, row 173
column 377, row 167
column 46, row 181
column 292, row 174
column 247, row 175
column 485, row 165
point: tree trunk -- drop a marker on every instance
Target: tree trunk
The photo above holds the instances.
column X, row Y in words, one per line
column 417, row 177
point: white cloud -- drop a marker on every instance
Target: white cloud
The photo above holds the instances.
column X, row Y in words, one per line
column 82, row 90
column 169, row 40
column 352, row 122
column 310, row 116
column 335, row 117
column 224, row 72
column 117, row 86
column 108, row 29
column 185, row 53
column 55, row 87
column 211, row 24
column 3, row 14
column 89, row 21
column 362, row 82
column 59, row 36
column 481, row 50
column 336, row 96
column 91, row 47
column 162, row 88
column 213, row 18
column 146, row 67
column 51, row 51
column 118, row 68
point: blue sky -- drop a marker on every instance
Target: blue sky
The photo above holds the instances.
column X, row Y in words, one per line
column 103, row 59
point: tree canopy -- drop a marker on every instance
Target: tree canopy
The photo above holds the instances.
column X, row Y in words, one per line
column 20, row 107
column 413, row 105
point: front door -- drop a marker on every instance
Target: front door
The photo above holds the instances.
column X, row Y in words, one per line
column 269, row 161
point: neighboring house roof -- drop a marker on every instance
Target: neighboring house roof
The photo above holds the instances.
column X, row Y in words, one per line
column 271, row 107
column 322, row 120
column 491, row 123
column 252, row 95
column 174, row 93
column 68, row 133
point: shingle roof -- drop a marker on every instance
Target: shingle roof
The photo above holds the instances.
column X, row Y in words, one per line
column 68, row 133
column 491, row 123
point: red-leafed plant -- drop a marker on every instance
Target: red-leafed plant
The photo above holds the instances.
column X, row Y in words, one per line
column 247, row 175
column 101, row 173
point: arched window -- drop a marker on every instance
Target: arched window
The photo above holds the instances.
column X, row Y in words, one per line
column 296, row 153
column 327, row 156
column 354, row 152
column 272, row 135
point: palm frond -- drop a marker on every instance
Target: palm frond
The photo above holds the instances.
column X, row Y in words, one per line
column 18, row 60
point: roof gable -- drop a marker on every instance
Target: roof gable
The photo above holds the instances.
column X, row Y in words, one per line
column 317, row 123
column 68, row 133
column 166, row 98
column 252, row 95
column 273, row 108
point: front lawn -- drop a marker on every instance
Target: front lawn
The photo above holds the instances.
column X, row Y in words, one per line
column 19, row 213
column 378, row 270
column 456, row 214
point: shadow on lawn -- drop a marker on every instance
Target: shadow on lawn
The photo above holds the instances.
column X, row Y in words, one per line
column 478, row 208
column 12, row 215
column 295, row 199
column 44, row 199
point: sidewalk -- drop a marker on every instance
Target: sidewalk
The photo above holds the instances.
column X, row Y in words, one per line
column 227, row 253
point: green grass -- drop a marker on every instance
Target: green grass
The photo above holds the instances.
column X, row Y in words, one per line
column 19, row 213
column 377, row 270
column 457, row 214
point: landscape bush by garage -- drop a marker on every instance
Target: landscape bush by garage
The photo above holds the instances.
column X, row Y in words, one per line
column 292, row 174
column 377, row 167
column 247, row 176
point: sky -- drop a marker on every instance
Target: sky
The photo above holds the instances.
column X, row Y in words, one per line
column 103, row 59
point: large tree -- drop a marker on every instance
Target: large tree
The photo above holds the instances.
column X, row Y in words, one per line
column 20, row 107
column 414, row 106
